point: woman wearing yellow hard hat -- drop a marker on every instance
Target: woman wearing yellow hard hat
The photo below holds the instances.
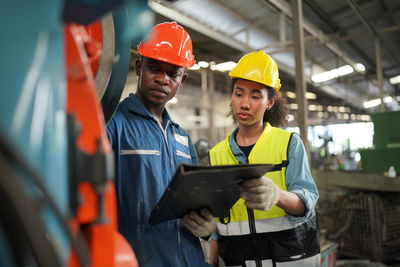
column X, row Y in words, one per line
column 273, row 223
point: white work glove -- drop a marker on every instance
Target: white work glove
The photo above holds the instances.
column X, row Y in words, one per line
column 200, row 225
column 260, row 194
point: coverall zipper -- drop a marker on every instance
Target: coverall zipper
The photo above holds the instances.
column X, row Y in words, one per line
column 165, row 134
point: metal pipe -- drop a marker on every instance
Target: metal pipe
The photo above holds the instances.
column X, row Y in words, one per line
column 211, row 96
column 301, row 86
column 282, row 27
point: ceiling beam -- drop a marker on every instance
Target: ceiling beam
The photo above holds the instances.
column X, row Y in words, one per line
column 312, row 41
column 390, row 17
column 251, row 24
column 369, row 26
column 196, row 25
column 317, row 33
column 336, row 28
column 309, row 27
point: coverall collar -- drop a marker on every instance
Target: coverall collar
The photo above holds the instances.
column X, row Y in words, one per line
column 137, row 107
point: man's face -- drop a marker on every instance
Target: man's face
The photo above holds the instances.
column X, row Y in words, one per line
column 158, row 80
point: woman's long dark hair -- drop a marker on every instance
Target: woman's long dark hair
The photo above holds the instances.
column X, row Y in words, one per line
column 276, row 116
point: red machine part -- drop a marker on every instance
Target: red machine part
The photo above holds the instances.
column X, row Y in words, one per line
column 94, row 46
column 107, row 247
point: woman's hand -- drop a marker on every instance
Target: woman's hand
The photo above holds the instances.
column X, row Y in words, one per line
column 260, row 194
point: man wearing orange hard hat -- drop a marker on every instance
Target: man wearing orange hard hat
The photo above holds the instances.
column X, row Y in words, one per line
column 149, row 146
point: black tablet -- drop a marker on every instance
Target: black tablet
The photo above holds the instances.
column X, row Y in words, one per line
column 194, row 187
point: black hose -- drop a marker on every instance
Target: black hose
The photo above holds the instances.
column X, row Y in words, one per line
column 11, row 160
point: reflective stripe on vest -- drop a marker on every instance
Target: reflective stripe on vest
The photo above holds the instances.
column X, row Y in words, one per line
column 270, row 148
column 308, row 262
column 262, row 226
column 289, row 245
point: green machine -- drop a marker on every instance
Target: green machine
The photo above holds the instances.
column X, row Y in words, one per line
column 386, row 150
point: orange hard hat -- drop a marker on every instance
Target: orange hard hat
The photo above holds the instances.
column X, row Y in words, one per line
column 168, row 42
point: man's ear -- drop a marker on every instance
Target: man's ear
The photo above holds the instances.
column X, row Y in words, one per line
column 138, row 66
column 184, row 76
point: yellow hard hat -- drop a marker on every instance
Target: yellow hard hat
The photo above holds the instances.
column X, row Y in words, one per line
column 258, row 67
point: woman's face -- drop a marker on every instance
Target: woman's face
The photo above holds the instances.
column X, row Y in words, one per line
column 249, row 101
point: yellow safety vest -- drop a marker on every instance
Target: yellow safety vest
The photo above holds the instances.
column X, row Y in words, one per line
column 269, row 236
column 270, row 148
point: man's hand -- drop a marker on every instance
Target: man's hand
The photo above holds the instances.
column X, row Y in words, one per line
column 201, row 225
column 260, row 194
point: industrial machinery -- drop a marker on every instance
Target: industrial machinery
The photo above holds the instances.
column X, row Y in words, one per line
column 360, row 210
column 386, row 151
column 63, row 64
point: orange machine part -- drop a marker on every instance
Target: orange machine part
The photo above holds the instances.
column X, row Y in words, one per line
column 125, row 256
column 103, row 240
column 81, row 93
column 95, row 47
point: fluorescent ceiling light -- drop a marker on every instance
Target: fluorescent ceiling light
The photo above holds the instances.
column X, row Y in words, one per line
column 387, row 99
column 223, row 66
column 377, row 101
column 395, row 79
column 322, row 77
column 290, row 117
column 290, row 94
column 203, row 64
column 195, row 67
column 360, row 67
column 365, row 117
column 309, row 95
column 312, row 107
column 334, row 73
column 344, row 70
column 372, row 103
